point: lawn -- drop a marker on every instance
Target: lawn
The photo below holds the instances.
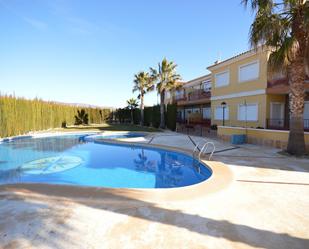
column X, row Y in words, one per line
column 110, row 127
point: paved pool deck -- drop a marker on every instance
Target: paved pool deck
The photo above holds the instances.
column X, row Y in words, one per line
column 266, row 205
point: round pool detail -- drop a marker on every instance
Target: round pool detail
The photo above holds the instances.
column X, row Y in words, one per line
column 50, row 165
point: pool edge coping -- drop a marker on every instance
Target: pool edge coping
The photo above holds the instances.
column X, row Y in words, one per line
column 220, row 179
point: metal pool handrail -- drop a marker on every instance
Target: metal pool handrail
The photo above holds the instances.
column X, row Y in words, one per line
column 195, row 148
column 204, row 149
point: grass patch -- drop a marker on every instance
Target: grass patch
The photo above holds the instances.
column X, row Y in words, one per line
column 110, row 127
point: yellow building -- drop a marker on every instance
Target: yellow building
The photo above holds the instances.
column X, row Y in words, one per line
column 244, row 95
column 193, row 101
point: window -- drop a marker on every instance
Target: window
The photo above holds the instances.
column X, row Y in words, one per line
column 206, row 86
column 197, row 87
column 249, row 71
column 196, row 110
column 187, row 113
column 219, row 113
column 179, row 94
column 276, row 114
column 222, row 79
column 181, row 114
column 248, row 112
column 206, row 113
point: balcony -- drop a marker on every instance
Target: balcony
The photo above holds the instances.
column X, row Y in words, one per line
column 180, row 97
column 195, row 97
column 281, row 86
column 204, row 122
column 283, row 124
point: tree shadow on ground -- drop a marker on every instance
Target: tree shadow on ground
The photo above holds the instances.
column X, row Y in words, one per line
column 22, row 225
column 115, row 201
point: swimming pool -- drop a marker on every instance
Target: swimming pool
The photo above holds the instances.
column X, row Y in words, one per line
column 74, row 160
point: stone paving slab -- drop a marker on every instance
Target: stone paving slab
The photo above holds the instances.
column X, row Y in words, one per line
column 266, row 206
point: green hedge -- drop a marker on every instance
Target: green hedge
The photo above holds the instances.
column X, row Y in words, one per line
column 136, row 116
column 156, row 116
column 20, row 115
column 152, row 116
column 123, row 115
column 148, row 116
column 171, row 115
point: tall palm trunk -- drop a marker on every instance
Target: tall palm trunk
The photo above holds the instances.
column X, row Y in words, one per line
column 142, row 109
column 296, row 143
column 162, row 109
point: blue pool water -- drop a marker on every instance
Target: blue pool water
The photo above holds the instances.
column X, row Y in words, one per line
column 73, row 160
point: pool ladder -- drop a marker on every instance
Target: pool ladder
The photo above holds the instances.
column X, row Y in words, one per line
column 204, row 149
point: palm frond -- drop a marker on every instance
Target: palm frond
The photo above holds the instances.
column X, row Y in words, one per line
column 132, row 103
column 281, row 57
column 256, row 4
column 269, row 29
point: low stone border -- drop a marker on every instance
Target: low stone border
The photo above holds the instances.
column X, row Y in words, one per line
column 220, row 179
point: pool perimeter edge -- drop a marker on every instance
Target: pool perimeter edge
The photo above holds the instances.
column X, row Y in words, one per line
column 220, row 179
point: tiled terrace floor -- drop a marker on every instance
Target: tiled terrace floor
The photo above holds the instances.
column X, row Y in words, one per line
column 266, row 206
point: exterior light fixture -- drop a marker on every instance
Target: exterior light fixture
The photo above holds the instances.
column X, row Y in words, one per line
column 223, row 105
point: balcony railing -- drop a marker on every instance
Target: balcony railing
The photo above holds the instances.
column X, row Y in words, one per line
column 198, row 94
column 277, row 82
column 284, row 124
column 282, row 82
column 180, row 97
column 205, row 122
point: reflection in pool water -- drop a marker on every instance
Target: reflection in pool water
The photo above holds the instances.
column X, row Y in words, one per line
column 71, row 160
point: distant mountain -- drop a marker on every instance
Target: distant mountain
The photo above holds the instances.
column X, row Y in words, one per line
column 85, row 105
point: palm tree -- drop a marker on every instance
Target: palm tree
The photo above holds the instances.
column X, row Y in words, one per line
column 143, row 83
column 132, row 104
column 283, row 27
column 81, row 118
column 167, row 80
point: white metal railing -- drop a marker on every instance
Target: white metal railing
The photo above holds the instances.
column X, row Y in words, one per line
column 204, row 149
column 195, row 149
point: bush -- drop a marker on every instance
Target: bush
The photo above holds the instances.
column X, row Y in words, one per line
column 152, row 116
column 171, row 116
column 147, row 116
column 64, row 124
column 214, row 127
column 123, row 115
column 155, row 117
column 81, row 118
column 136, row 116
column 20, row 115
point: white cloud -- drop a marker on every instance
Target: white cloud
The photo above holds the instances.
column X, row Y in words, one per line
column 36, row 23
column 82, row 26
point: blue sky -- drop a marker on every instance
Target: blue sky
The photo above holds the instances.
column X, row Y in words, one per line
column 80, row 51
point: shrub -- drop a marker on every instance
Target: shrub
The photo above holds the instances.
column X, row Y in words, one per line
column 81, row 118
column 136, row 116
column 156, row 117
column 214, row 127
column 171, row 115
column 64, row 124
column 20, row 115
column 147, row 116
